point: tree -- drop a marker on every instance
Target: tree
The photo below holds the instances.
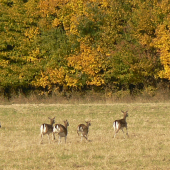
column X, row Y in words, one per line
column 162, row 39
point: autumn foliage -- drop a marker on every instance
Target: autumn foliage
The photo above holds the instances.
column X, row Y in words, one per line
column 77, row 44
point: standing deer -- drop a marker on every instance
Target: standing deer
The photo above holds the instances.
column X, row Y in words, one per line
column 84, row 129
column 61, row 130
column 120, row 124
column 47, row 129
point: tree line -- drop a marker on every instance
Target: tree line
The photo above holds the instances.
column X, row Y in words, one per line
column 55, row 45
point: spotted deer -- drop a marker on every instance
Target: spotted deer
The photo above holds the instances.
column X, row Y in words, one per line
column 47, row 129
column 120, row 124
column 84, row 129
column 61, row 130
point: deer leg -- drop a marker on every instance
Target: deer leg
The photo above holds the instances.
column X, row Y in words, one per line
column 123, row 133
column 53, row 135
column 85, row 137
column 49, row 138
column 81, row 137
column 127, row 131
column 116, row 131
column 59, row 140
column 41, row 138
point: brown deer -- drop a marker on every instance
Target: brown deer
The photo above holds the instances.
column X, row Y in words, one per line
column 61, row 130
column 120, row 124
column 47, row 129
column 84, row 129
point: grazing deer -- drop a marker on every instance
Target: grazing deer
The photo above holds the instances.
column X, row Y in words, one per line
column 120, row 124
column 47, row 129
column 61, row 130
column 84, row 129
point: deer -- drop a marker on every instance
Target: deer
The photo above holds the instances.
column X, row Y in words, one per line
column 47, row 129
column 120, row 124
column 84, row 129
column 61, row 130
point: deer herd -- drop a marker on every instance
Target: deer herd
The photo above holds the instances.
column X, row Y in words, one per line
column 83, row 129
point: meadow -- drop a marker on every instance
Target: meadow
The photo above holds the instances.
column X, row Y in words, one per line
column 147, row 146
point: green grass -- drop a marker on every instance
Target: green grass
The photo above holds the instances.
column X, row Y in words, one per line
column 146, row 148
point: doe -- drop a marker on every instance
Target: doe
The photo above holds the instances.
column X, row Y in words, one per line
column 84, row 129
column 120, row 124
column 47, row 129
column 61, row 130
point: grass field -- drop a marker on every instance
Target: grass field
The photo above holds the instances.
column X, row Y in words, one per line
column 148, row 145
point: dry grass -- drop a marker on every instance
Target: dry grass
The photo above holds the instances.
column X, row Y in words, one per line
column 146, row 148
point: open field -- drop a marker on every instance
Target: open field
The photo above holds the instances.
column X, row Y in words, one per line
column 148, row 145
